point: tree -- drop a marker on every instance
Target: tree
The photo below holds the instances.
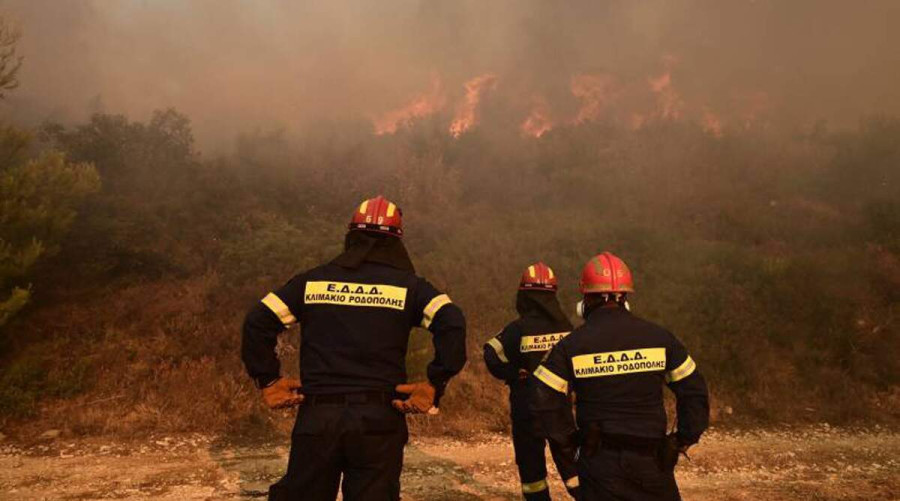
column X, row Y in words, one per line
column 153, row 207
column 10, row 61
column 38, row 194
column 38, row 201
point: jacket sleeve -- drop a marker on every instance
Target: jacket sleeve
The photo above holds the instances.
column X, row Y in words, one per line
column 448, row 327
column 691, row 393
column 495, row 355
column 549, row 388
column 265, row 320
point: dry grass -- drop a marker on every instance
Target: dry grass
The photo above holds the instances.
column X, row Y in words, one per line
column 163, row 358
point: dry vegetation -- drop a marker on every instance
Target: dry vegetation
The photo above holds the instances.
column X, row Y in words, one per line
column 774, row 255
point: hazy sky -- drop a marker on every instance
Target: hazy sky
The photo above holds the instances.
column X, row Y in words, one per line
column 235, row 65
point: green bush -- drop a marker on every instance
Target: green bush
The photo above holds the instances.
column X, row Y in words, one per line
column 20, row 387
column 39, row 198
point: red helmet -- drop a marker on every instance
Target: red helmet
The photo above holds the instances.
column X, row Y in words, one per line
column 606, row 273
column 380, row 215
column 538, row 276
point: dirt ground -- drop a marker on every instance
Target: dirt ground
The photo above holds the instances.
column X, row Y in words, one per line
column 818, row 463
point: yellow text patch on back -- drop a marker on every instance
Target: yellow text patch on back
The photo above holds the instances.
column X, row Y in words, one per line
column 349, row 294
column 541, row 342
column 617, row 363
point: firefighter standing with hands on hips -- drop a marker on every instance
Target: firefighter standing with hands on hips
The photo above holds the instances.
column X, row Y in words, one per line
column 356, row 314
column 617, row 364
column 511, row 356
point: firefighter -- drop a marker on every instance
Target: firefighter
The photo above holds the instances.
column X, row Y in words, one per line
column 511, row 356
column 356, row 313
column 617, row 364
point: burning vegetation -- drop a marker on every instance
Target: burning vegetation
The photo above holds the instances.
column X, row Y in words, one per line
column 600, row 97
column 189, row 162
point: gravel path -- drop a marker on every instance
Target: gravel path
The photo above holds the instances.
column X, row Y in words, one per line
column 820, row 463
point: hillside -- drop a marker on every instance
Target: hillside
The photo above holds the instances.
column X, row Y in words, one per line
column 774, row 255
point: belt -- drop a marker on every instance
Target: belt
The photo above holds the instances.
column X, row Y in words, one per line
column 593, row 439
column 366, row 398
column 629, row 443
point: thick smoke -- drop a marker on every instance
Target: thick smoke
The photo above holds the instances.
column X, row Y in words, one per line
column 236, row 65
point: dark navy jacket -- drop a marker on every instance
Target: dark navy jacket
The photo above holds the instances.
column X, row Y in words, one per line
column 355, row 329
column 617, row 365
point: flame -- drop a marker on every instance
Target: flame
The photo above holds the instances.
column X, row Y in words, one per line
column 420, row 106
column 660, row 83
column 465, row 116
column 711, row 123
column 631, row 104
column 669, row 103
column 595, row 93
column 538, row 121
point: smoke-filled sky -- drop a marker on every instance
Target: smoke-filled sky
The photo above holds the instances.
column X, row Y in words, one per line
column 235, row 65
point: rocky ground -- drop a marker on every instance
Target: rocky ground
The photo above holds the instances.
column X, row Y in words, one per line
column 820, row 463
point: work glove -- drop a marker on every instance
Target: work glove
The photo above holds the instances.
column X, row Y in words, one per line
column 668, row 453
column 421, row 398
column 283, row 393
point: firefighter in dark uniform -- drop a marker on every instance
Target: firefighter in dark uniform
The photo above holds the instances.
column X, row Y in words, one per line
column 511, row 356
column 356, row 313
column 617, row 364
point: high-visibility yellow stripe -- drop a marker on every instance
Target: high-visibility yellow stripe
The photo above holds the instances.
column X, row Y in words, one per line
column 572, row 483
column 363, row 206
column 532, row 487
column 433, row 307
column 617, row 363
column 355, row 294
column 279, row 309
column 540, row 342
column 550, row 272
column 498, row 348
column 390, row 210
column 531, row 271
column 684, row 370
column 552, row 380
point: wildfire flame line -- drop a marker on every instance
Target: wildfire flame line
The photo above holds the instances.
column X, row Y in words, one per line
column 420, row 106
column 600, row 96
column 538, row 121
column 595, row 93
column 466, row 113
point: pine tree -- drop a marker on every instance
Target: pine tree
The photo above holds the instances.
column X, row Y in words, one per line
column 39, row 194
